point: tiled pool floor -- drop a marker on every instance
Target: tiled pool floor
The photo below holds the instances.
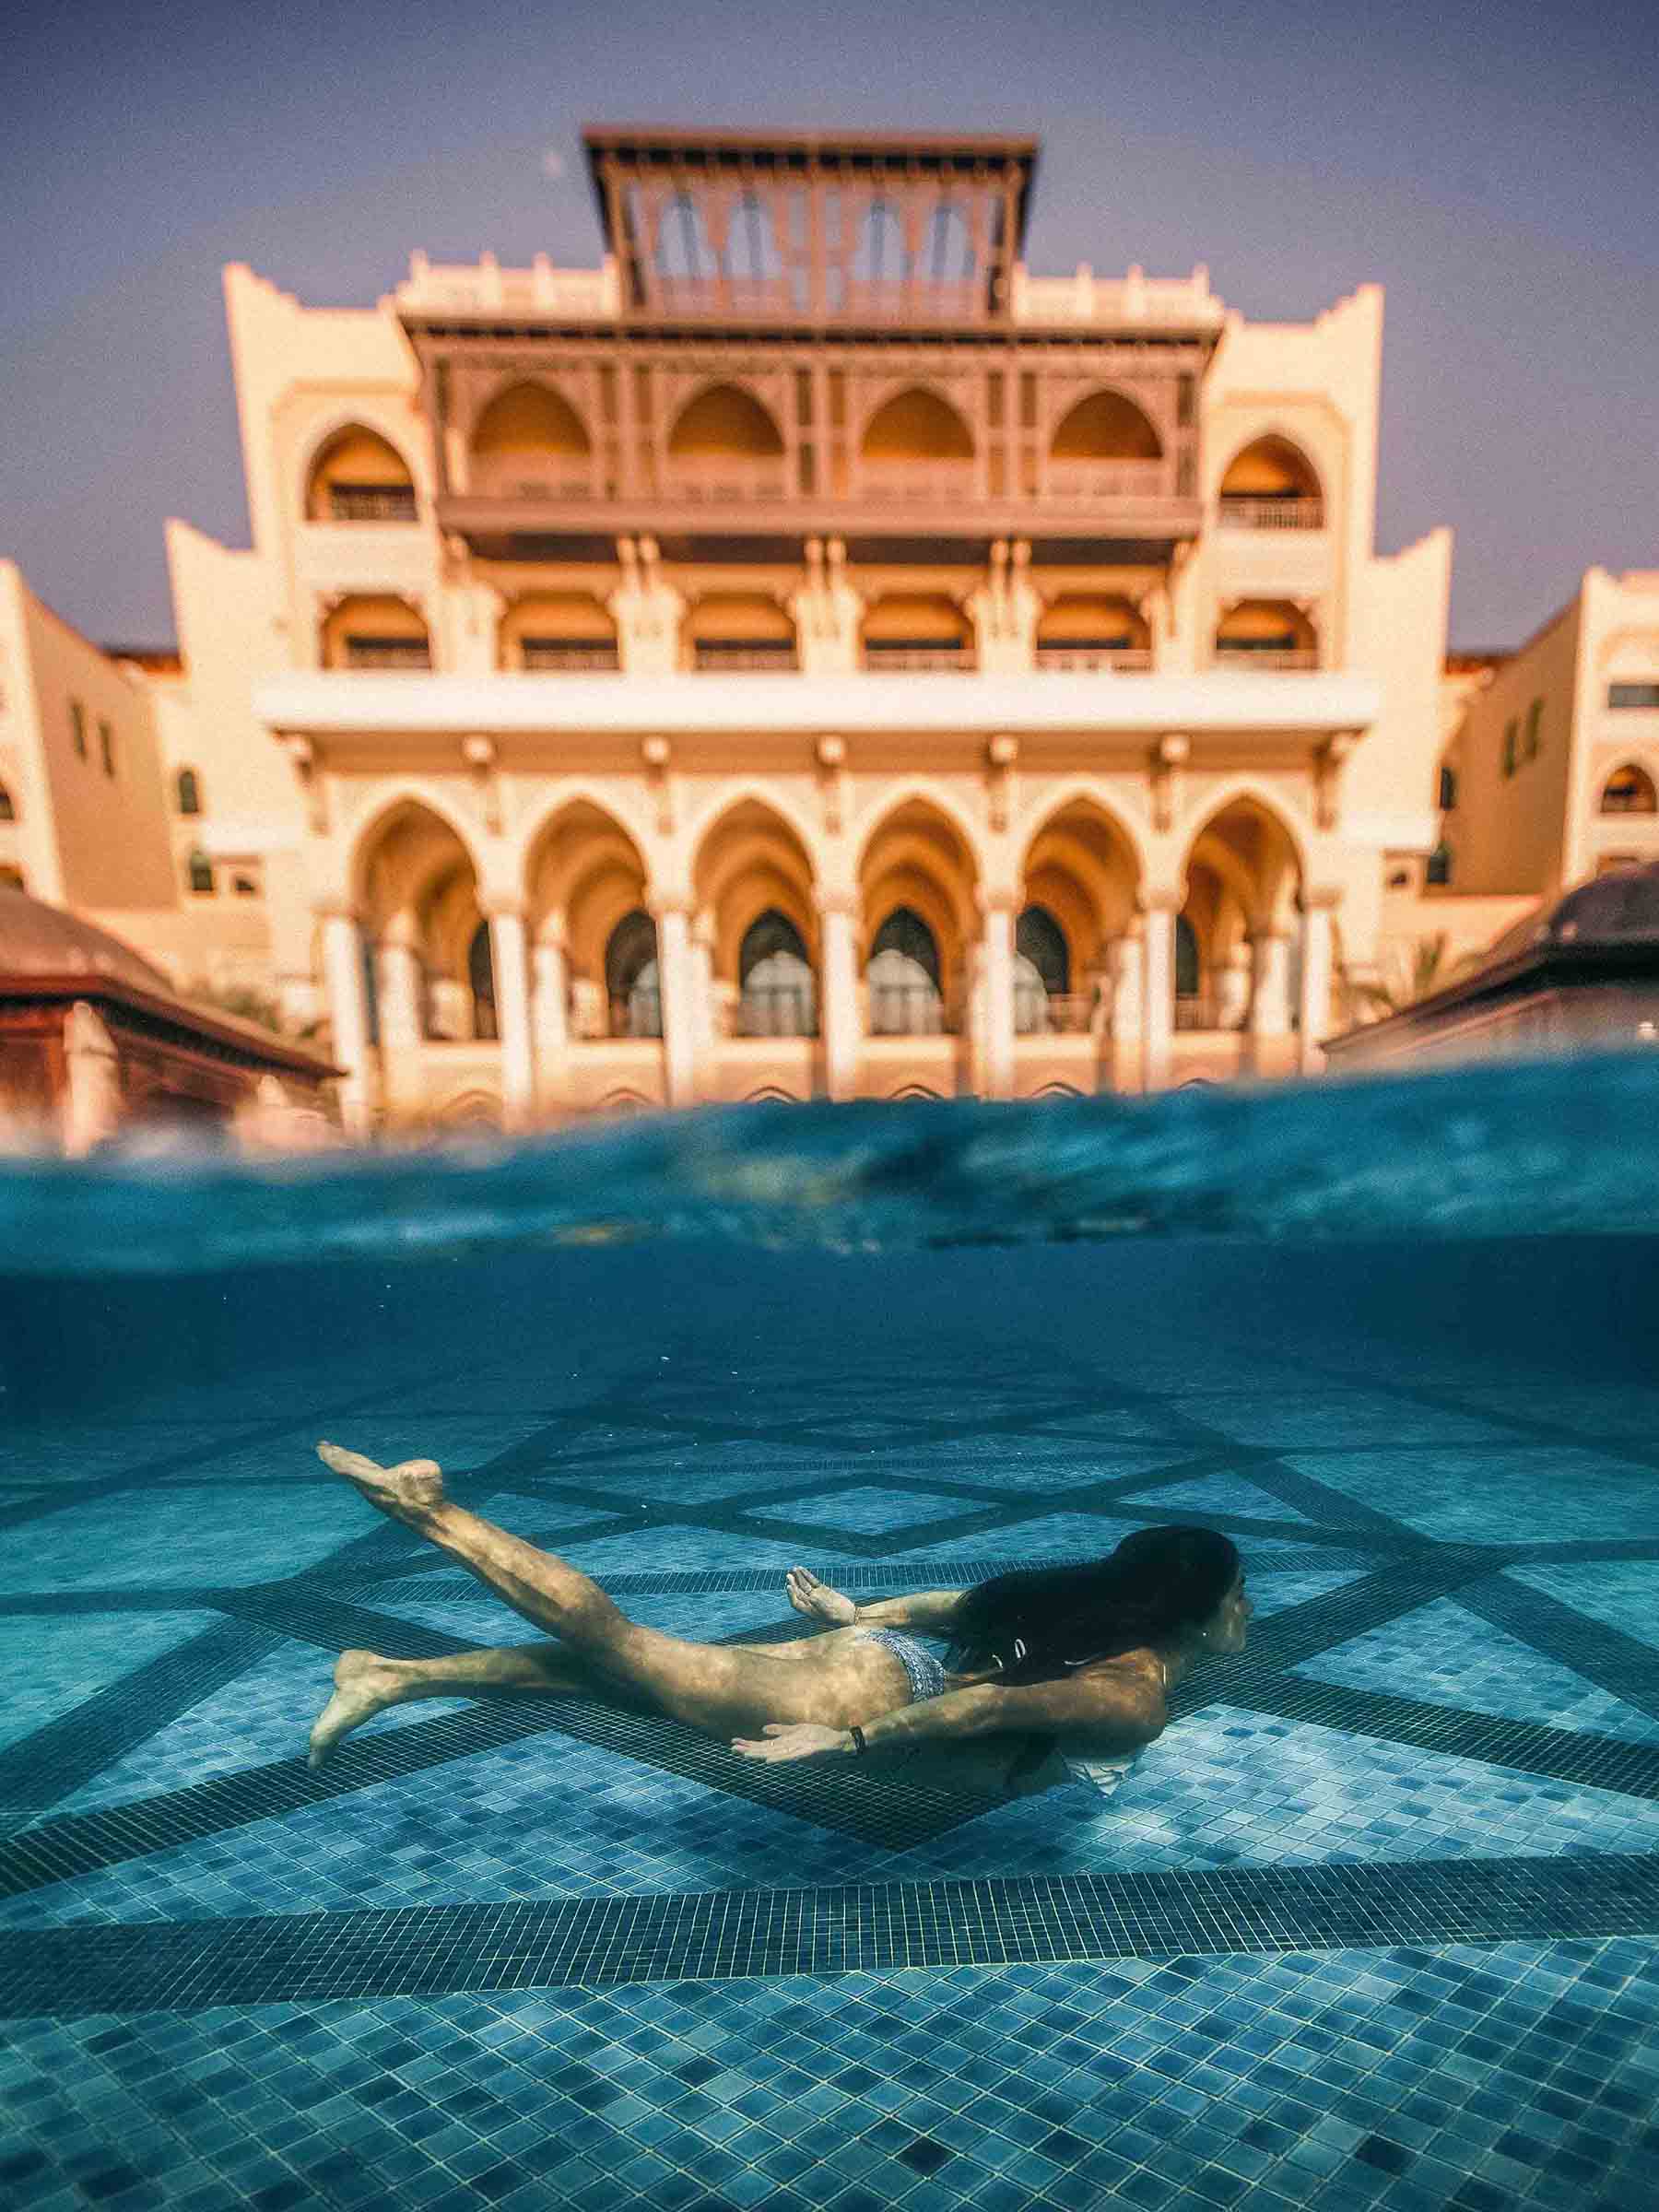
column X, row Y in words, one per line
column 1371, row 1924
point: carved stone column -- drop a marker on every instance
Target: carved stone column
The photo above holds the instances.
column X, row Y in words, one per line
column 1157, row 995
column 400, row 986
column 675, row 986
column 997, row 983
column 91, row 1105
column 510, row 968
column 706, row 1011
column 1315, row 1010
column 839, row 912
column 1270, row 984
column 348, row 1014
column 1124, row 975
column 1230, row 988
column 549, row 997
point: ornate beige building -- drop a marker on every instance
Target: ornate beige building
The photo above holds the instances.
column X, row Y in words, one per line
column 806, row 654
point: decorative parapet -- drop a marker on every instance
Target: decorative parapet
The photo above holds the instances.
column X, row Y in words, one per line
column 1163, row 302
column 484, row 287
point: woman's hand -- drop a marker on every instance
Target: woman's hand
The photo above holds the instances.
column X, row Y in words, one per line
column 794, row 1739
column 818, row 1600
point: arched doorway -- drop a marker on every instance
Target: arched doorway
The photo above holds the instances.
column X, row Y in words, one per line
column 903, row 976
column 779, row 993
column 631, row 977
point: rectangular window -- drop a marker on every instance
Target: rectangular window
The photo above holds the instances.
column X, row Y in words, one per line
column 994, row 397
column 804, row 398
column 1533, row 714
column 77, row 724
column 1510, row 729
column 1633, row 695
column 1028, row 401
column 106, row 746
column 1183, row 403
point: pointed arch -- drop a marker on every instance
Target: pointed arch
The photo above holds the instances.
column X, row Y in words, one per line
column 1083, row 795
column 915, row 423
column 724, row 419
column 916, row 790
column 1105, row 424
column 748, row 790
column 1247, row 789
column 352, row 451
column 408, row 793
column 1270, row 464
column 624, row 807
column 1629, row 790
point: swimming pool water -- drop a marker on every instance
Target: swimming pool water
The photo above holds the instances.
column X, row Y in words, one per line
column 1373, row 1923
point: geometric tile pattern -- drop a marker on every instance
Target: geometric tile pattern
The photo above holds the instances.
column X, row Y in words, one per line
column 1371, row 1924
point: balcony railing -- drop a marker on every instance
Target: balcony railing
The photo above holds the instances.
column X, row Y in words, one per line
column 921, row 483
column 725, row 483
column 777, row 1010
column 1238, row 511
column 372, row 502
column 636, row 1013
column 1193, row 1014
column 1076, row 659
column 908, row 1010
column 724, row 655
column 1266, row 658
column 520, row 480
column 904, row 658
column 1053, row 1013
column 388, row 653
column 1082, row 483
column 571, row 656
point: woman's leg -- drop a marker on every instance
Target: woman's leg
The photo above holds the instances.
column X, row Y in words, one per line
column 366, row 1684
column 721, row 1688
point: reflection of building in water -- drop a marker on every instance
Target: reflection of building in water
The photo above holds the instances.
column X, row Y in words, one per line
column 805, row 655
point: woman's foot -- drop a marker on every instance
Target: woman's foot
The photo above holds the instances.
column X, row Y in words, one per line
column 365, row 1684
column 412, row 1488
column 818, row 1600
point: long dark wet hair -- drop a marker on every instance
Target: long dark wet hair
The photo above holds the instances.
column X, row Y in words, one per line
column 1042, row 1622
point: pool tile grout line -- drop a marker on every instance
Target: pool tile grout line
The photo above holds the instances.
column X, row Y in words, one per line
column 854, row 1928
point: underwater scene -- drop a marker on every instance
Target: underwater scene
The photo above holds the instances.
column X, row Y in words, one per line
column 1365, row 1915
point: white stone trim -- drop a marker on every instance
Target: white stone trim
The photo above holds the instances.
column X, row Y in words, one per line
column 360, row 702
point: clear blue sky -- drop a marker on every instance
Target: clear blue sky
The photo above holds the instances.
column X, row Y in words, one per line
column 1495, row 167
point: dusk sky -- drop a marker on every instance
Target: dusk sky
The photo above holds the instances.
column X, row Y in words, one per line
column 1495, row 168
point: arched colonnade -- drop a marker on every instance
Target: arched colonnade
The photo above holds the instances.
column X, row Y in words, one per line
column 929, row 940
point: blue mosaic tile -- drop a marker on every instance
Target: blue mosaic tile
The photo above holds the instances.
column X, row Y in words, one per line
column 69, row 1659
column 1444, row 1655
column 1218, row 1494
column 175, row 1538
column 1621, row 1594
column 870, row 1511
column 1066, row 1537
column 1541, row 1495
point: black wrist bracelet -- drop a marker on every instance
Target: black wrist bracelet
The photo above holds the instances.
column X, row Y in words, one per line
column 858, row 1741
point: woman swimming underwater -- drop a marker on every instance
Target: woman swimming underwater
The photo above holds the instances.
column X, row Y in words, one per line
column 1053, row 1665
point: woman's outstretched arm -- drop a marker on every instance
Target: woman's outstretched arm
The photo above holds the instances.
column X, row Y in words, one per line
column 925, row 1609
column 931, row 1611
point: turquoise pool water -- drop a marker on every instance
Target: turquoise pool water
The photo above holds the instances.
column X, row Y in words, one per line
column 1373, row 1923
